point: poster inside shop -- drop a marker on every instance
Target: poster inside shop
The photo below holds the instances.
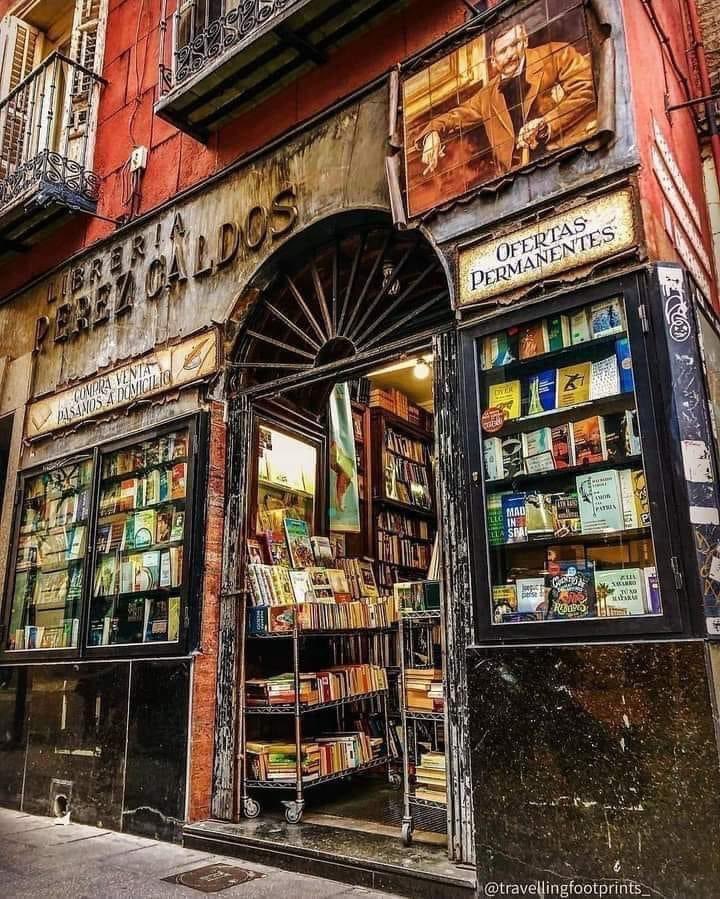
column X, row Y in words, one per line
column 344, row 499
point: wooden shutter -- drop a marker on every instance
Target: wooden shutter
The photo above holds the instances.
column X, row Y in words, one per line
column 21, row 44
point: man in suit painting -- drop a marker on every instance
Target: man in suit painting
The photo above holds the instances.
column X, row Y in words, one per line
column 538, row 99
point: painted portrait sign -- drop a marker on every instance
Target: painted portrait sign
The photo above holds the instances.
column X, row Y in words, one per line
column 519, row 92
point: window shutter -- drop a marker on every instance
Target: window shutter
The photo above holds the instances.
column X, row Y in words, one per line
column 21, row 44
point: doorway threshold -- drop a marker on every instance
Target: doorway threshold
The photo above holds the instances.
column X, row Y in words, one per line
column 372, row 859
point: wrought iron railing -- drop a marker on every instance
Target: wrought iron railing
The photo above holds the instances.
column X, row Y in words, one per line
column 201, row 31
column 46, row 135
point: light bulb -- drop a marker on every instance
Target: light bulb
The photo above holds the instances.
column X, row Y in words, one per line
column 421, row 370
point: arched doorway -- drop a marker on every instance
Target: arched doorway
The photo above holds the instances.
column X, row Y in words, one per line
column 354, row 302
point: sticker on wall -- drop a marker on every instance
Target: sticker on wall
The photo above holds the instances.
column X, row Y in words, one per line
column 704, row 515
column 697, row 462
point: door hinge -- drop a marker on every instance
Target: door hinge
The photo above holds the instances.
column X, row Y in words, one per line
column 675, row 565
column 644, row 322
column 187, row 617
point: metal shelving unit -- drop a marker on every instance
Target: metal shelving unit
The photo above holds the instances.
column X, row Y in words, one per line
column 435, row 813
column 250, row 806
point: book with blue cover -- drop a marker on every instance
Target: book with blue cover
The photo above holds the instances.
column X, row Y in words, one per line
column 624, row 360
column 541, row 392
column 607, row 318
column 514, row 518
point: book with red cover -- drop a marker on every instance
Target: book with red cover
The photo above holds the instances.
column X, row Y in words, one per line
column 588, row 440
column 533, row 340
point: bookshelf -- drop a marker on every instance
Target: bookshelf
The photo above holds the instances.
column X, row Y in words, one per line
column 566, row 504
column 403, row 502
column 50, row 558
column 140, row 535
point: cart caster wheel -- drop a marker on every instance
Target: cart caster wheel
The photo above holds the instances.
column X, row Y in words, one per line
column 395, row 781
column 293, row 812
column 251, row 808
column 407, row 830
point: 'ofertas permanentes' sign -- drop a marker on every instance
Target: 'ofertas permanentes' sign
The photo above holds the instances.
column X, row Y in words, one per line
column 151, row 374
column 574, row 239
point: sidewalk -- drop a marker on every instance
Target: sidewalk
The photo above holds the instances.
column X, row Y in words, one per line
column 40, row 859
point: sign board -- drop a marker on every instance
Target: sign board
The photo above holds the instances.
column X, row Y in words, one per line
column 154, row 373
column 580, row 237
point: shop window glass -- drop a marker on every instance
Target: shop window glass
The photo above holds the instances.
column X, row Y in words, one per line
column 50, row 559
column 568, row 519
column 140, row 542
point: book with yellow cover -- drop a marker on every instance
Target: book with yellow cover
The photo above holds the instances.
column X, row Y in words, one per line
column 506, row 396
column 573, row 384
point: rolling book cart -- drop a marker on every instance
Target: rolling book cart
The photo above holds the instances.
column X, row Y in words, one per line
column 420, row 726
column 377, row 700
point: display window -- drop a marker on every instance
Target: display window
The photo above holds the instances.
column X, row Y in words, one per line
column 101, row 554
column 564, row 444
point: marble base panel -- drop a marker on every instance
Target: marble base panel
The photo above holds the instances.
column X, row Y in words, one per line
column 596, row 763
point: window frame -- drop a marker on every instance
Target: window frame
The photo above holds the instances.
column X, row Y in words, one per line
column 655, row 447
column 193, row 550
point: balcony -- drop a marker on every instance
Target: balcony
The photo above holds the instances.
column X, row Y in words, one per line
column 46, row 144
column 221, row 57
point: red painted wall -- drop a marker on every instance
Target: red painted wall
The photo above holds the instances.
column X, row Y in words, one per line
column 655, row 83
column 176, row 161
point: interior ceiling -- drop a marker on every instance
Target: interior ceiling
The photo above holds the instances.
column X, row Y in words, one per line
column 402, row 378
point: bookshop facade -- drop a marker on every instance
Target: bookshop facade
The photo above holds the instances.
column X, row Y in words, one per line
column 376, row 506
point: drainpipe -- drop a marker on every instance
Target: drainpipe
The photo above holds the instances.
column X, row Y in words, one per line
column 699, row 49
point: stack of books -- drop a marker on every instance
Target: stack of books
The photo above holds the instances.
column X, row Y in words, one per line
column 548, row 335
column 339, row 682
column 424, row 689
column 602, row 502
column 431, row 778
column 275, row 760
column 590, row 441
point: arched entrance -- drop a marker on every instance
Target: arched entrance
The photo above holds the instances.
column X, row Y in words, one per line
column 348, row 300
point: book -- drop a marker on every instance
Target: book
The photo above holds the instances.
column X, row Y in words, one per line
column 579, row 327
column 495, row 519
column 531, row 596
column 493, row 458
column 144, row 526
column 570, row 590
column 498, row 350
column 604, row 378
column 641, row 497
column 588, row 440
column 562, row 446
column 506, row 397
column 600, row 502
column 559, row 334
column 178, row 477
column 539, row 520
column 573, row 385
column 566, row 514
column 368, row 585
column 607, row 318
column 164, row 526
column 147, row 571
column 165, row 577
column 339, row 584
column 620, row 592
column 615, row 446
column 533, row 340
column 301, row 586
column 504, row 600
column 624, row 364
column 512, row 457
column 106, row 573
column 537, row 451
column 322, row 550
column 653, row 602
column 627, row 493
column 541, row 392
column 632, row 433
column 514, row 527
column 178, row 526
column 299, row 546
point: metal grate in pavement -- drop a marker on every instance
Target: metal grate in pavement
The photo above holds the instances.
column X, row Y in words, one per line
column 213, row 878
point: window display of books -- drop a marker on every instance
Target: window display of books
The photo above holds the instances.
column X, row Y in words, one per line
column 568, row 516
column 50, row 559
column 139, row 543
column 285, row 482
